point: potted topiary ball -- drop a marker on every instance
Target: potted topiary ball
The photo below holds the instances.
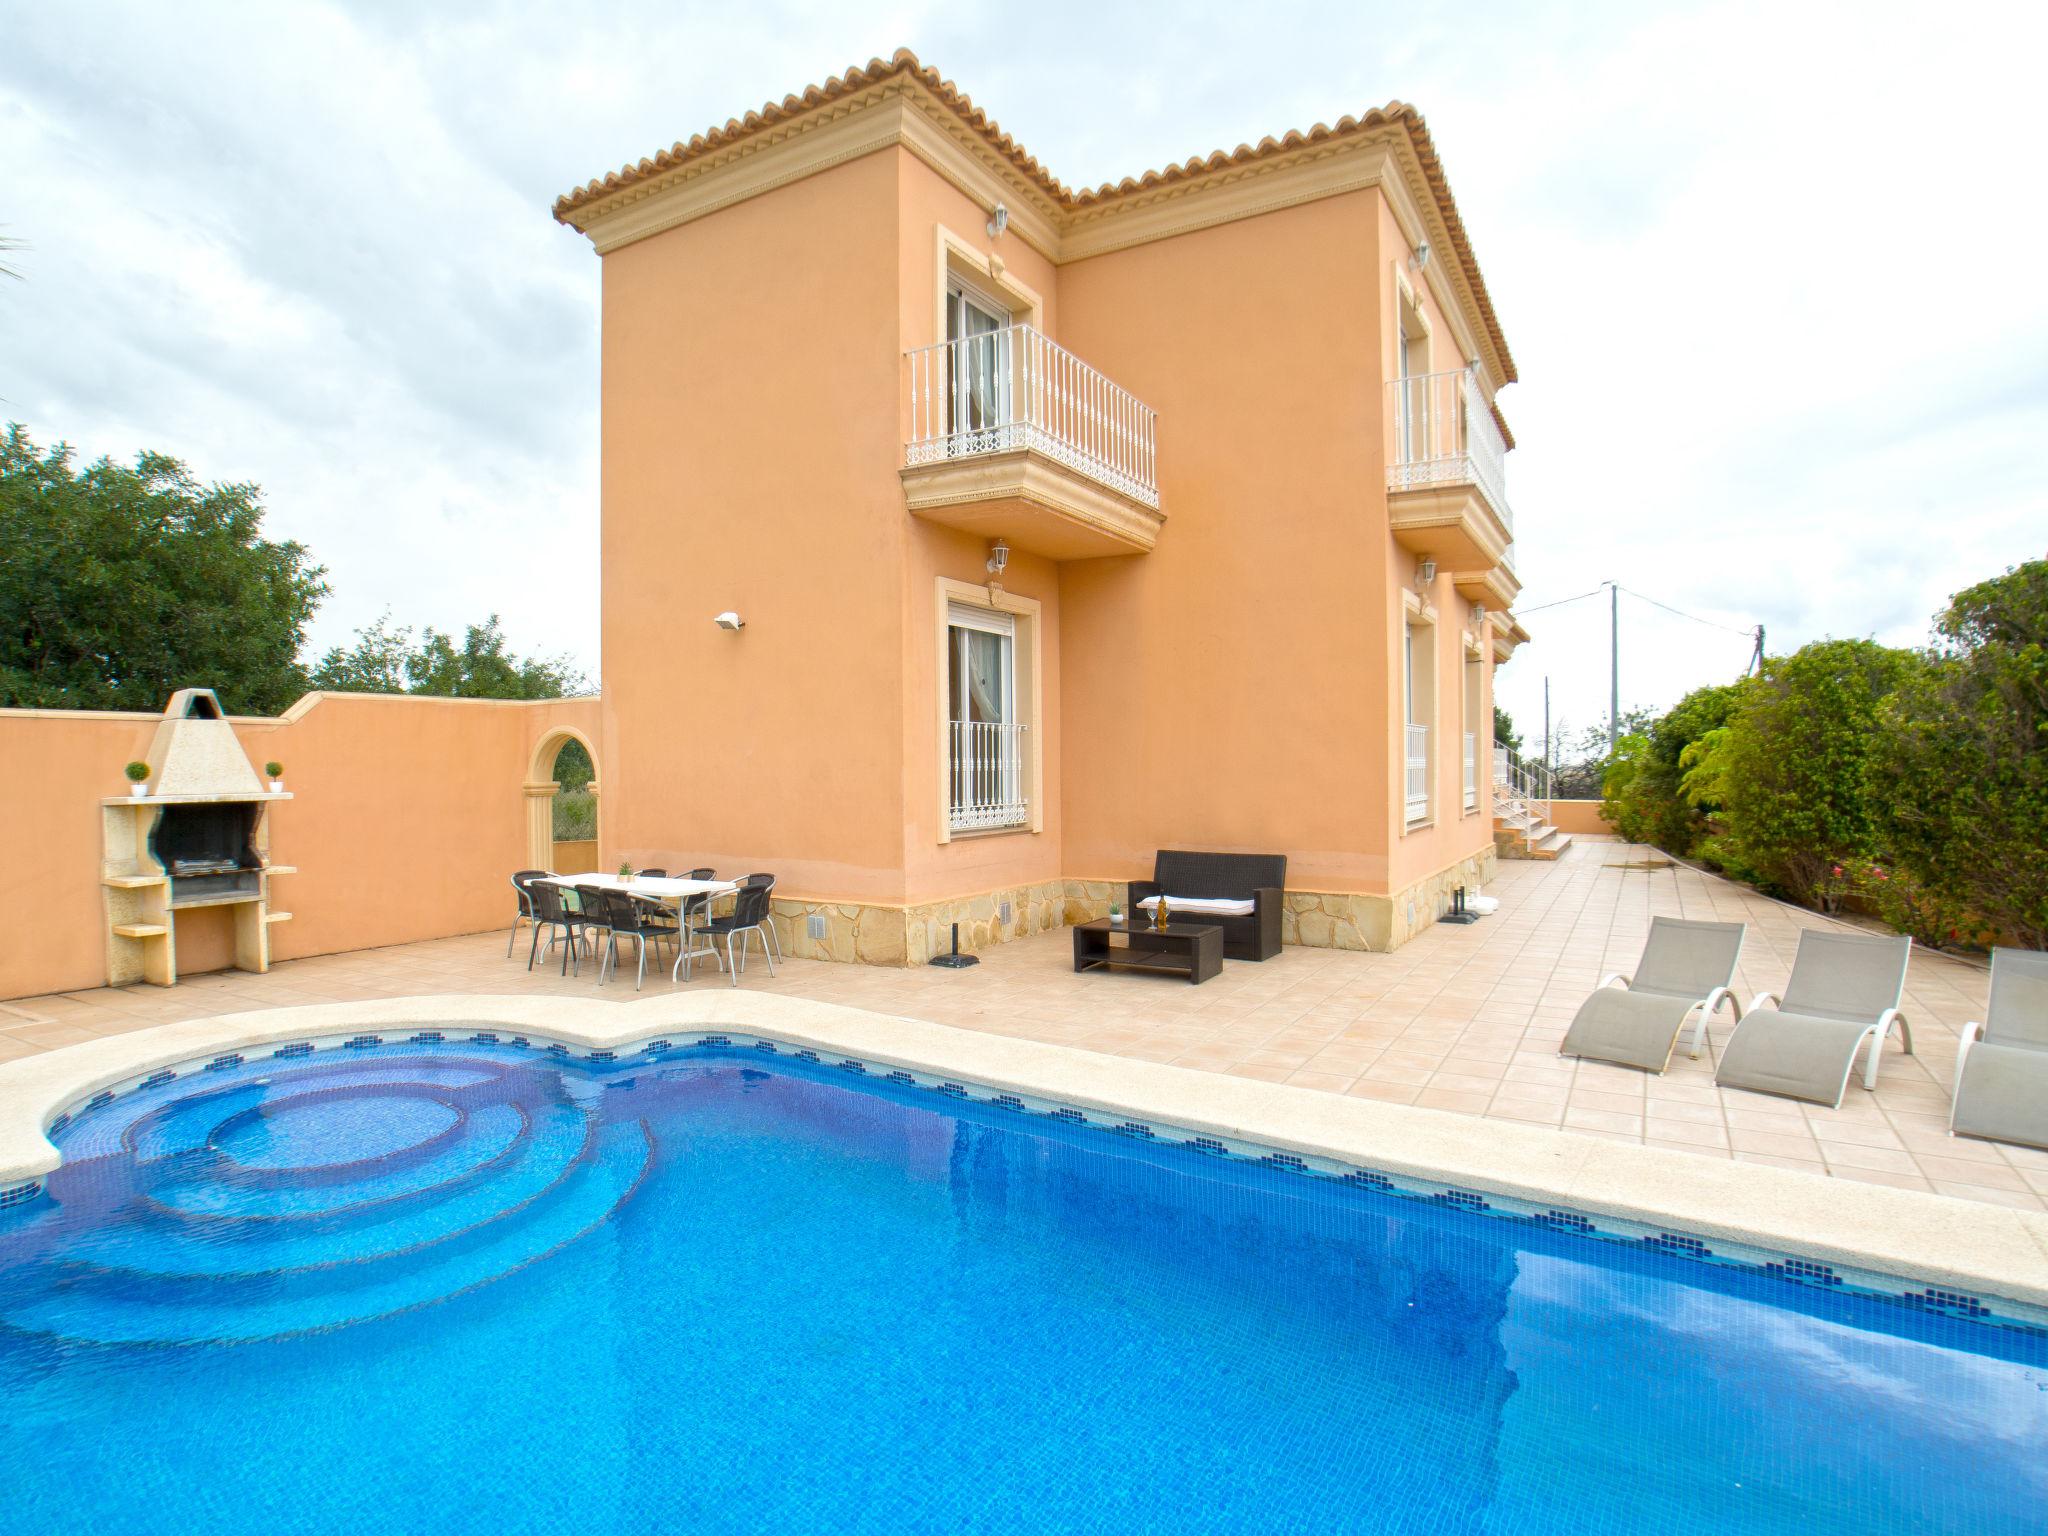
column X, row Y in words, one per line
column 275, row 773
column 138, row 778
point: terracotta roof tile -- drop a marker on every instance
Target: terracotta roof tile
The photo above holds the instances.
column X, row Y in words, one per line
column 905, row 63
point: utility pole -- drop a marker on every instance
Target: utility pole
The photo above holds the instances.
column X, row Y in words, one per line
column 1613, row 666
column 1756, row 660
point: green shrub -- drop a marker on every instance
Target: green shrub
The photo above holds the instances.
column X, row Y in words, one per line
column 575, row 816
column 1962, row 776
column 1796, row 767
column 1644, row 788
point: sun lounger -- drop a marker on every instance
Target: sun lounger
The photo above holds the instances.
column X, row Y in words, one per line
column 1844, row 992
column 1684, row 973
column 2002, row 1063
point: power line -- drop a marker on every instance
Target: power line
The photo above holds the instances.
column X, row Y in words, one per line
column 1559, row 603
column 1747, row 634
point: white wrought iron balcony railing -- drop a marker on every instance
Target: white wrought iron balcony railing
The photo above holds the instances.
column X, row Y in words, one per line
column 1015, row 388
column 1471, row 771
column 1516, row 778
column 1418, row 772
column 1444, row 433
column 987, row 776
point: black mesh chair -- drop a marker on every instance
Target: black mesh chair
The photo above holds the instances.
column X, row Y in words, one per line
column 525, row 912
column 749, row 915
column 767, row 927
column 593, row 918
column 564, row 924
column 696, row 906
column 654, row 913
column 626, row 918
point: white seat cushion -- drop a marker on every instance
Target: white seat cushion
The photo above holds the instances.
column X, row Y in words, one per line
column 1220, row 906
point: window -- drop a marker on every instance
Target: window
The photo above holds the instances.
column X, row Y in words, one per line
column 985, row 754
column 978, row 331
column 1475, row 689
column 1411, row 363
column 1418, row 692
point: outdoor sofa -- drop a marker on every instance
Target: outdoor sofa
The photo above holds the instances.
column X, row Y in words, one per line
column 1240, row 893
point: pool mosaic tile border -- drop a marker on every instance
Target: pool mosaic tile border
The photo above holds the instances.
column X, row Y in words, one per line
column 1874, row 1285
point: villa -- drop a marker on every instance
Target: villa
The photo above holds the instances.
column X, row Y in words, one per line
column 1064, row 526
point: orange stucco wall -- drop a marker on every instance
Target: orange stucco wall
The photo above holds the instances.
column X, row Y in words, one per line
column 750, row 441
column 408, row 815
column 1581, row 818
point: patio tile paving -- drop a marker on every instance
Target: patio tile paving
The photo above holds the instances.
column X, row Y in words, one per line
column 1466, row 1020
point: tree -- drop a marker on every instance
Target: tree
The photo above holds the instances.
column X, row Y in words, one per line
column 1797, row 765
column 121, row 586
column 1644, row 789
column 1963, row 772
column 1504, row 729
column 385, row 659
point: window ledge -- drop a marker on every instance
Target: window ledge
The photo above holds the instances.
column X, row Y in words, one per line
column 964, row 834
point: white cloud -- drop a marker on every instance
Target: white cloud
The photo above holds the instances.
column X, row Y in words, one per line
column 1762, row 266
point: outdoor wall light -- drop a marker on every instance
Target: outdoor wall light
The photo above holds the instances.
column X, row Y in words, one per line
column 1420, row 260
column 1426, row 573
column 730, row 620
column 1479, row 613
column 998, row 558
column 998, row 221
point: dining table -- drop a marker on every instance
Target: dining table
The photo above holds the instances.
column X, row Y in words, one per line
column 670, row 890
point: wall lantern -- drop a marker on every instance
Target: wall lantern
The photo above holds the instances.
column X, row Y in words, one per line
column 998, row 558
column 1426, row 574
column 998, row 221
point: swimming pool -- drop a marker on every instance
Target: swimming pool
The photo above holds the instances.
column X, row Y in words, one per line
column 460, row 1286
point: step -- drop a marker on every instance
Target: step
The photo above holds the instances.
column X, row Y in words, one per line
column 1551, row 846
column 227, row 1247
column 235, row 1310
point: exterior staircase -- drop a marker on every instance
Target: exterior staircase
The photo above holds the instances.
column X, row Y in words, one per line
column 1521, row 802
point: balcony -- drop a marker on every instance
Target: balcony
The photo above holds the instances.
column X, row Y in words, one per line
column 1011, row 436
column 1418, row 773
column 986, row 776
column 1447, row 483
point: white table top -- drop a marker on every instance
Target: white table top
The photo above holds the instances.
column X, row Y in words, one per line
column 661, row 888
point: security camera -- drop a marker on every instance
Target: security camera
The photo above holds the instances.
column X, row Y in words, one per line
column 730, row 620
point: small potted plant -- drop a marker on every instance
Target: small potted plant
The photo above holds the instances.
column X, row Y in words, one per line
column 625, row 873
column 275, row 773
column 138, row 778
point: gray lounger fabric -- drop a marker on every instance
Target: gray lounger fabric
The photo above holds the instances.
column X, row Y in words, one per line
column 1842, row 985
column 1683, row 962
column 2002, row 1090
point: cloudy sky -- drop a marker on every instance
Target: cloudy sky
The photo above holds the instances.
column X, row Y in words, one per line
column 1770, row 272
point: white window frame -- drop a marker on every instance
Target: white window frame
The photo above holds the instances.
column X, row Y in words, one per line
column 961, row 618
column 1420, row 707
column 963, row 604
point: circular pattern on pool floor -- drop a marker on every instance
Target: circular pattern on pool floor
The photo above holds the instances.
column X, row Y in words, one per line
column 329, row 1132
column 271, row 1200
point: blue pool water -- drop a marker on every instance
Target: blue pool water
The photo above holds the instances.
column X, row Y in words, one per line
column 470, row 1289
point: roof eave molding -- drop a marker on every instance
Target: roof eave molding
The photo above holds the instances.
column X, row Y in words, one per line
column 900, row 109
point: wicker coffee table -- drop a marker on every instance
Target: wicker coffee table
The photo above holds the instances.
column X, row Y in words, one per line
column 1193, row 950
